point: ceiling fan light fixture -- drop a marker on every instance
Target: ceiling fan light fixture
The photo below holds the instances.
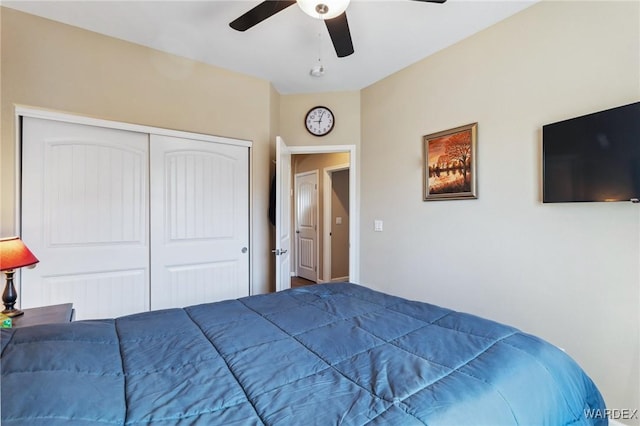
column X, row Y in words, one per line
column 323, row 9
column 317, row 71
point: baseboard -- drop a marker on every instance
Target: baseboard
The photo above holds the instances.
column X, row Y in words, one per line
column 332, row 280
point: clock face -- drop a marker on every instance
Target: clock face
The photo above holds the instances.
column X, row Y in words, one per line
column 319, row 121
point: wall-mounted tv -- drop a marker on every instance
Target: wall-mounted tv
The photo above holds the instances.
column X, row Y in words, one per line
column 595, row 157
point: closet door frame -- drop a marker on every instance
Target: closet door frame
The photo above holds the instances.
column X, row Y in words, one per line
column 34, row 112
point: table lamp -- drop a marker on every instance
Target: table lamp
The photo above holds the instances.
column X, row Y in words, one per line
column 13, row 254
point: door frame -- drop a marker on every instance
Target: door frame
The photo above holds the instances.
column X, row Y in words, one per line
column 327, row 182
column 354, row 214
column 295, row 221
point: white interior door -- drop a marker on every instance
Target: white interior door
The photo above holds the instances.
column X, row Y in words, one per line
column 306, row 195
column 84, row 215
column 199, row 221
column 283, row 216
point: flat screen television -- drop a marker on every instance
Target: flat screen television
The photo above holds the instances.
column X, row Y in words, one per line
column 595, row 157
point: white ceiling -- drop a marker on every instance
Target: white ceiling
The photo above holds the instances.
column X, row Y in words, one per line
column 388, row 35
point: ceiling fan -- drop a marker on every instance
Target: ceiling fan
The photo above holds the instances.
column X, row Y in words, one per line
column 331, row 11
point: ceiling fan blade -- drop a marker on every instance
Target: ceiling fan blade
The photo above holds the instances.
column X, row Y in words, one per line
column 264, row 10
column 432, row 1
column 338, row 28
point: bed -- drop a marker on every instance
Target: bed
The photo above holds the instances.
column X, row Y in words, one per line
column 328, row 354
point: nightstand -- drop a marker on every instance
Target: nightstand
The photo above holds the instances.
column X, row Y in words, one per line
column 45, row 315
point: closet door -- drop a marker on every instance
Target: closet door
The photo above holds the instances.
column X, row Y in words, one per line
column 199, row 221
column 85, row 216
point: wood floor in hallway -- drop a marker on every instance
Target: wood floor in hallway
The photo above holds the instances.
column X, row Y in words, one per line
column 300, row 282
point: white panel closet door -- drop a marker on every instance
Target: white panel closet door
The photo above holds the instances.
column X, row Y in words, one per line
column 84, row 215
column 199, row 221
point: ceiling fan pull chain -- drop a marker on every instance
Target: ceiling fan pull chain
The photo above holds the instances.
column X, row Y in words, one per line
column 318, row 69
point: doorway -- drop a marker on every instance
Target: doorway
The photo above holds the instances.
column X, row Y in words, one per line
column 337, row 221
column 320, row 232
column 283, row 195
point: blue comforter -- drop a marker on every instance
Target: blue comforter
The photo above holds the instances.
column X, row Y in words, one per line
column 324, row 354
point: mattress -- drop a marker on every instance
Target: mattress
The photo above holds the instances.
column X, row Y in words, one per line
column 330, row 354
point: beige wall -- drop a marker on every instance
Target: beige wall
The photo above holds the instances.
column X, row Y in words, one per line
column 346, row 110
column 50, row 65
column 567, row 272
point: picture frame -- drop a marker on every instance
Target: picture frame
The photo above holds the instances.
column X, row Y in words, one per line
column 449, row 164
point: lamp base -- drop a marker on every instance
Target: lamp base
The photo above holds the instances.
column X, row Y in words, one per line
column 12, row 312
column 9, row 297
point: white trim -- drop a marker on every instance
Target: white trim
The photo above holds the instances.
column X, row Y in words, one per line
column 251, row 245
column 24, row 111
column 354, row 214
column 327, row 180
column 322, row 149
column 17, row 204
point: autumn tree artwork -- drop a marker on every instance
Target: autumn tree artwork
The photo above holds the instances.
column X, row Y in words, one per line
column 449, row 166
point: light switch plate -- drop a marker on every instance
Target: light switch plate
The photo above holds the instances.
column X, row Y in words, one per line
column 377, row 225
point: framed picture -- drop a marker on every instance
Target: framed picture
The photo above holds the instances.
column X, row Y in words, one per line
column 450, row 164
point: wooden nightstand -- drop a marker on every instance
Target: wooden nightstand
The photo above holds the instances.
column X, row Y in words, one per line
column 45, row 315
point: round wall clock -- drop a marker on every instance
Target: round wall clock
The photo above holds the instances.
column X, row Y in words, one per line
column 319, row 121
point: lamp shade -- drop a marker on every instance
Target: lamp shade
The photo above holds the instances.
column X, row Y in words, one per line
column 14, row 254
column 323, row 9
